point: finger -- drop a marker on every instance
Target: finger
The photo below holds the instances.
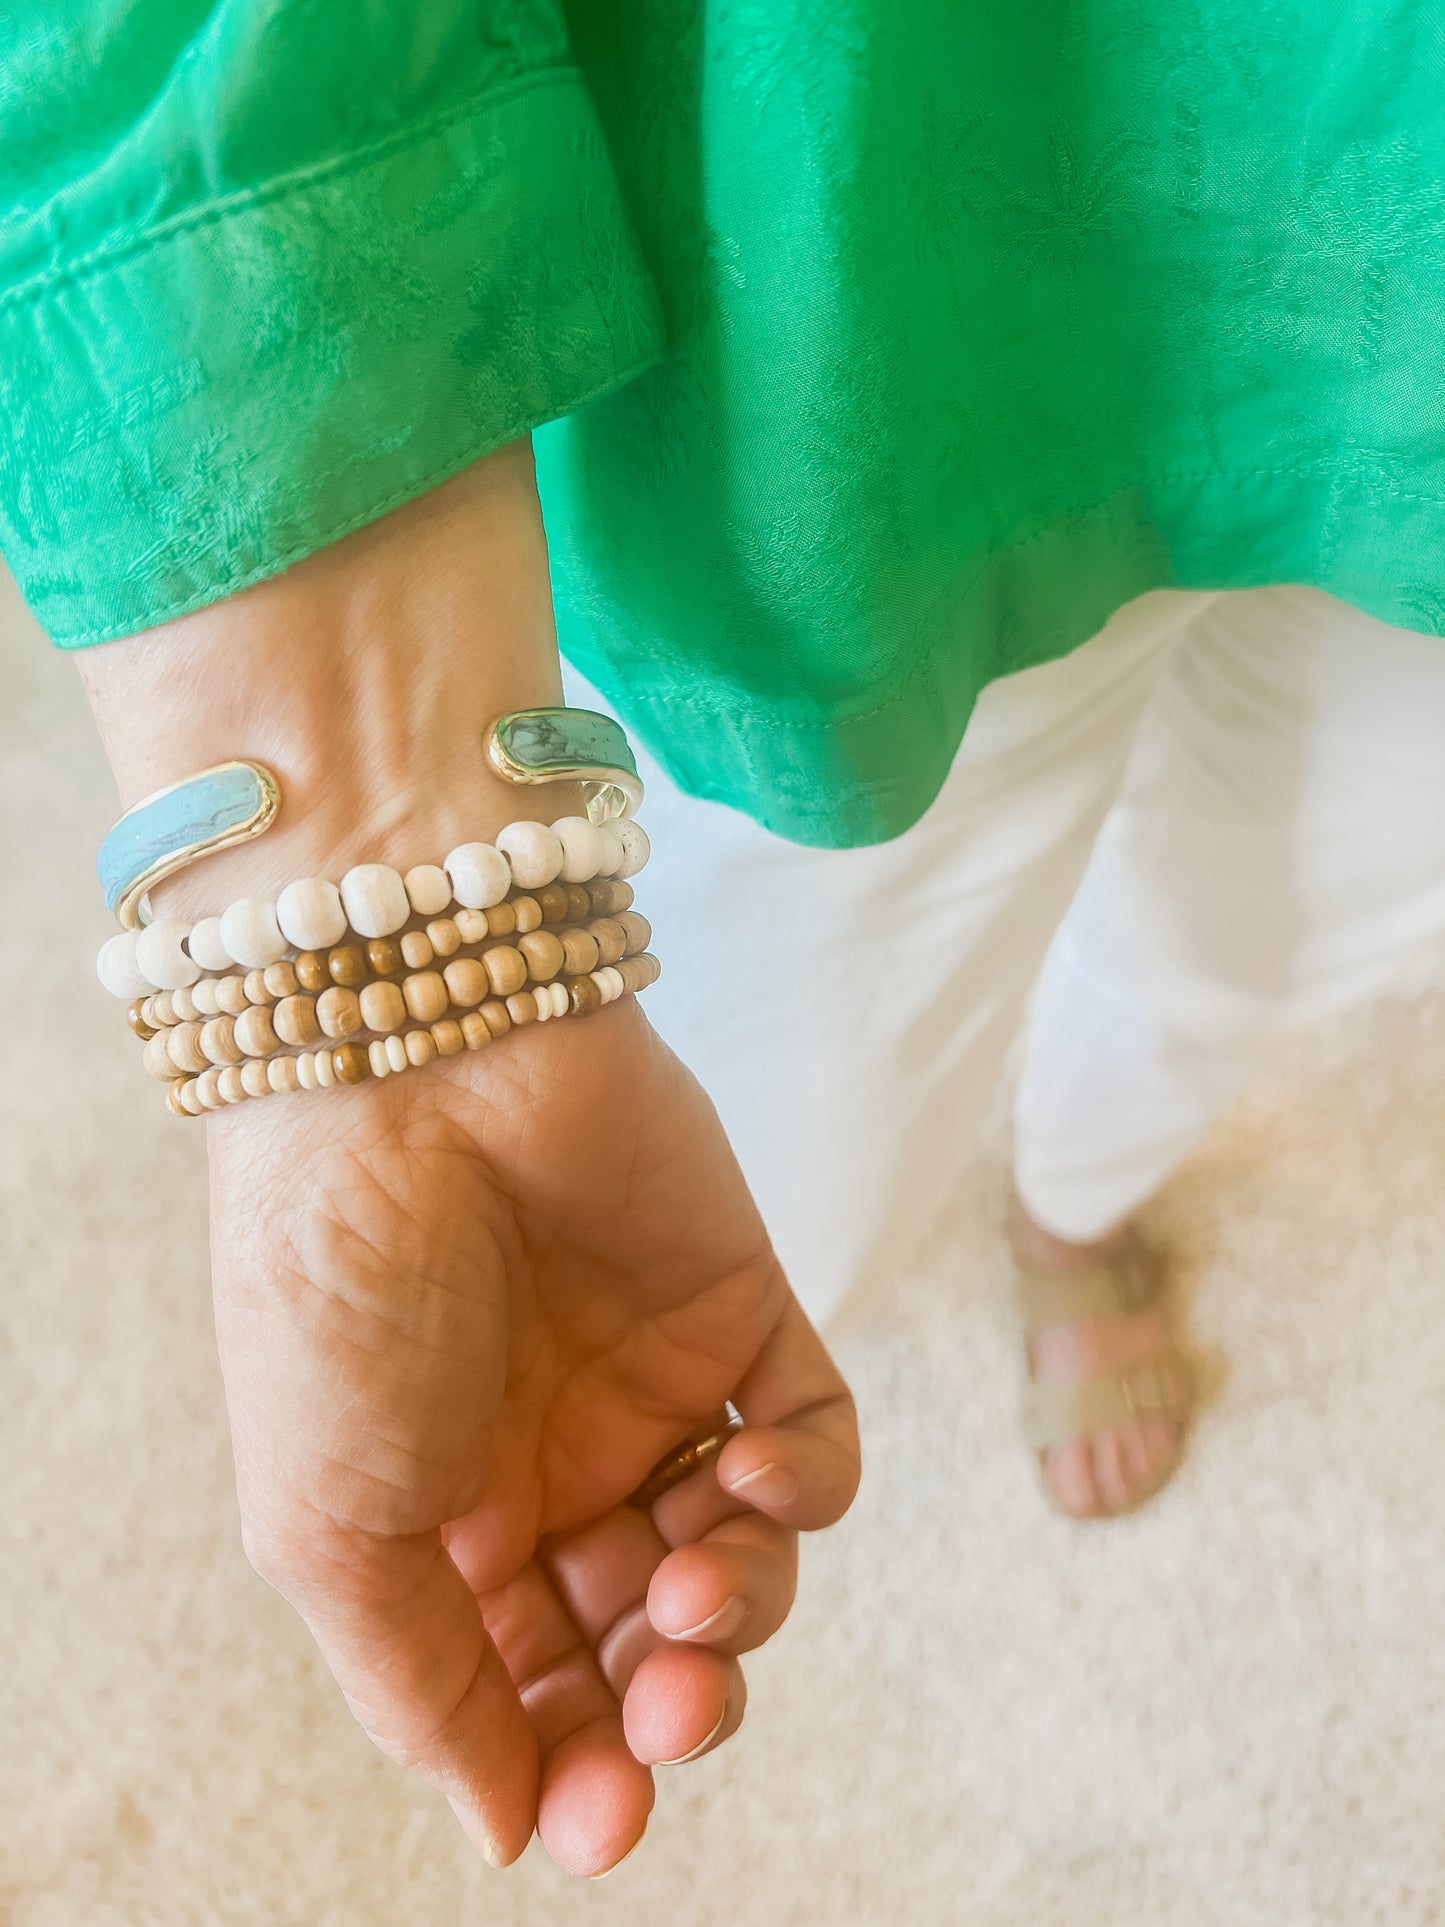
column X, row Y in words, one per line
column 732, row 1591
column 683, row 1702
column 594, row 1798
column 400, row 1630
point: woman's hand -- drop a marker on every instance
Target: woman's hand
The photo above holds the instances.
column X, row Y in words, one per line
column 461, row 1313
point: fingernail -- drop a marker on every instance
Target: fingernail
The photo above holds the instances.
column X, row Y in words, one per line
column 726, row 1620
column 617, row 1863
column 702, row 1745
column 770, row 1485
column 472, row 1828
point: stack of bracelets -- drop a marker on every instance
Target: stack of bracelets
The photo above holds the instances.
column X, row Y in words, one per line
column 381, row 973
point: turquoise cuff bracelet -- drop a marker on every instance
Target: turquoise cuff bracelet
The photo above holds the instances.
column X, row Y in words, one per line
column 569, row 746
column 164, row 832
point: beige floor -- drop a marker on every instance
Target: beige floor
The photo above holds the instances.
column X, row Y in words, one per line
column 1229, row 1711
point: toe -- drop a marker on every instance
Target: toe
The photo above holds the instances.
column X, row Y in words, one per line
column 1110, row 1473
column 1069, row 1475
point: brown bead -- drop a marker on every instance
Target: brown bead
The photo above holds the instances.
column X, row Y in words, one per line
column 444, row 937
column 175, row 1100
column 281, row 980
column 448, row 1038
column 256, row 988
column 501, row 920
column 137, row 1022
column 254, row 1080
column 338, row 1011
column 383, row 1007
column 218, row 1041
column 522, row 1007
column 426, row 995
column 311, row 971
column 528, row 913
column 231, row 996
column 384, row 956
column 420, row 1047
column 153, row 1012
column 545, row 954
column 506, row 969
column 579, row 904
column 636, row 929
column 157, row 1058
column 255, row 1032
column 579, row 952
column 416, row 950
column 351, row 1064
column 584, row 996
column 552, row 902
column 230, row 1086
column 497, row 1018
column 346, row 966
column 471, row 925
column 183, row 1042
column 475, row 1032
column 295, row 1021
column 610, row 938
column 466, row 981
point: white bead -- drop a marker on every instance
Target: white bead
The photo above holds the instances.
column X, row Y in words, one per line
column 310, row 914
column 480, row 875
column 117, row 968
column 205, row 997
column 376, row 1053
column 612, row 978
column 306, row 1070
column 396, row 1051
column 161, row 955
column 250, row 932
column 635, row 847
column 609, row 843
column 207, row 946
column 325, row 1069
column 561, row 1002
column 581, row 848
column 428, row 889
column 375, row 899
column 534, row 853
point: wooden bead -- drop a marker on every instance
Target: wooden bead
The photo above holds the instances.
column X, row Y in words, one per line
column 295, row 1022
column 382, row 1007
column 351, row 1064
column 184, row 1007
column 346, row 966
column 545, row 954
column 117, row 968
column 218, row 1041
column 579, row 950
column 426, row 995
column 375, row 900
column 522, row 1007
column 156, row 1009
column 466, row 981
column 632, row 973
column 609, row 847
column 311, row 914
column 620, row 896
column 255, row 1033
column 208, row 1089
column 475, row 1033
column 281, row 1075
column 506, row 969
column 311, row 971
column 157, row 1057
column 324, row 1066
column 528, row 914
column 471, row 925
column 254, row 1079
column 636, row 929
column 396, row 1055
column 230, row 1085
column 376, row 1057
column 250, row 932
column 534, row 853
column 183, row 1043
column 306, row 1070
column 610, row 938
column 161, row 956
column 552, row 902
column 420, row 1048
column 416, row 949
column 428, row 889
column 551, row 1001
column 581, row 849
column 338, row 1012
column 635, row 847
column 445, row 938
column 254, row 985
column 281, row 981
column 207, row 946
column 384, row 956
column 579, row 905
column 175, row 1103
column 134, row 1016
column 189, row 1097
column 480, row 875
column 610, row 981
column 501, row 920
column 583, row 996
column 447, row 1036
column 206, row 996
column 497, row 1018
column 231, row 995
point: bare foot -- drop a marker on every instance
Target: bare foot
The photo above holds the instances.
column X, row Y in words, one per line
column 1116, row 1467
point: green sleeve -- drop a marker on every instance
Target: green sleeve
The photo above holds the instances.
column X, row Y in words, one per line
column 269, row 268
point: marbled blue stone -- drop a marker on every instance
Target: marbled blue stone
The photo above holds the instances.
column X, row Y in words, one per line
column 547, row 739
column 216, row 803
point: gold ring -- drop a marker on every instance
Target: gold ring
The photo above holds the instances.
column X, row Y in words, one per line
column 686, row 1459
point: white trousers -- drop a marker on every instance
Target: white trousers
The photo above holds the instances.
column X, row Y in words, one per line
column 1220, row 818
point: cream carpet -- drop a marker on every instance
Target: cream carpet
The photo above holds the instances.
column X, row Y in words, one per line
column 1228, row 1711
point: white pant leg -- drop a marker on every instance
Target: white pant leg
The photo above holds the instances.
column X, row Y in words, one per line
column 848, row 1011
column 1277, row 850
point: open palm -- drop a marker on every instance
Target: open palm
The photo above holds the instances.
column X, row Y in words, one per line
column 461, row 1314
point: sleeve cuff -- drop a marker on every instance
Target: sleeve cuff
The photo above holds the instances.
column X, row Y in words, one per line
column 196, row 409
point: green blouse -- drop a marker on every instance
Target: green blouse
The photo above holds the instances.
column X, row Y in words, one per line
column 888, row 345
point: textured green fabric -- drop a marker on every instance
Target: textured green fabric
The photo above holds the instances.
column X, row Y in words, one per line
column 978, row 321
